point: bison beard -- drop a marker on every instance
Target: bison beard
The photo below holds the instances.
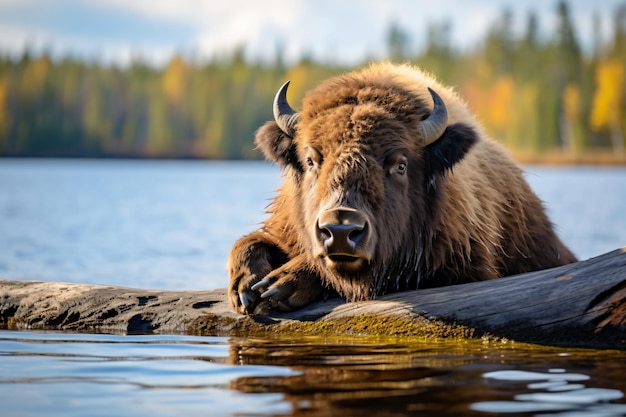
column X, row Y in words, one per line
column 388, row 186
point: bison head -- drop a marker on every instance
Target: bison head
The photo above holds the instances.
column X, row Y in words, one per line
column 364, row 160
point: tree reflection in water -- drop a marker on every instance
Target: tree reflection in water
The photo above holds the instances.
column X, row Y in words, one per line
column 377, row 377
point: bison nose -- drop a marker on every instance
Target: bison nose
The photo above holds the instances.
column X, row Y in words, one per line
column 340, row 231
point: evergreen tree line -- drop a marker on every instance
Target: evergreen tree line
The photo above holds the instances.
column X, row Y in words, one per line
column 531, row 92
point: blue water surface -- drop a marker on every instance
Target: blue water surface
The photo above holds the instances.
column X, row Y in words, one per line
column 170, row 224
column 55, row 374
column 145, row 224
column 67, row 375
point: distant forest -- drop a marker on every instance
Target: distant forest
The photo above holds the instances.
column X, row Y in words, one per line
column 533, row 93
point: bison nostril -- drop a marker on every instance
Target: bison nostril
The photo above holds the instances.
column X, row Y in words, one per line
column 357, row 234
column 340, row 238
column 323, row 233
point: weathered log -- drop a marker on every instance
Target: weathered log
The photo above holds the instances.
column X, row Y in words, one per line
column 582, row 304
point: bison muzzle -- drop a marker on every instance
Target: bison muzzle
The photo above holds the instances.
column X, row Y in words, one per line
column 390, row 184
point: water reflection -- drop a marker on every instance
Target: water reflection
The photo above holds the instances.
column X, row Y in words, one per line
column 74, row 375
column 351, row 378
column 347, row 378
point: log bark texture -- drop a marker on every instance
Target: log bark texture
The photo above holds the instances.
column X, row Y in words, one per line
column 582, row 304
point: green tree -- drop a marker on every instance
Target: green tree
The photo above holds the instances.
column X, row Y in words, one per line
column 499, row 45
column 528, row 52
column 569, row 71
column 531, row 92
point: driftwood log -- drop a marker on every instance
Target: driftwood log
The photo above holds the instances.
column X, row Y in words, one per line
column 582, row 304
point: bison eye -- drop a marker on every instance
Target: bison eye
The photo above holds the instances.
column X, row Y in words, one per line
column 312, row 158
column 399, row 166
column 395, row 162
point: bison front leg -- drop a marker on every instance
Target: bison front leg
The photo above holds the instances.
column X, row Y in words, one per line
column 251, row 259
column 292, row 286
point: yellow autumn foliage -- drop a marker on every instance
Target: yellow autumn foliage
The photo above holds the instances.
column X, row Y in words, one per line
column 300, row 77
column 173, row 80
column 502, row 94
column 4, row 113
column 493, row 105
column 607, row 99
column 3, row 101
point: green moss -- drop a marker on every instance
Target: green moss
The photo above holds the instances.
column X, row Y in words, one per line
column 363, row 325
column 372, row 325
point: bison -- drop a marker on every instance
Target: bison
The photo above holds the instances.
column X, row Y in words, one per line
column 390, row 184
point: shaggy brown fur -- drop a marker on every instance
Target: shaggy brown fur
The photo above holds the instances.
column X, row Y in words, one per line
column 455, row 211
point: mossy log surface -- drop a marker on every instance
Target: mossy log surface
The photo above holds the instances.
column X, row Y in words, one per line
column 582, row 304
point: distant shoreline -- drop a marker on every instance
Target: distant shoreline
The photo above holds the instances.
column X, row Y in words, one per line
column 593, row 157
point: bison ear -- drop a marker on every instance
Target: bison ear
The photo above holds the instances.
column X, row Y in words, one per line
column 450, row 148
column 277, row 146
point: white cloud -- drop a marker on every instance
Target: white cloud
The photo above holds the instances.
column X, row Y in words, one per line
column 180, row 10
column 346, row 30
column 258, row 25
column 221, row 26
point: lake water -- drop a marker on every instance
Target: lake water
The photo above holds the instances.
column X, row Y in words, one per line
column 170, row 225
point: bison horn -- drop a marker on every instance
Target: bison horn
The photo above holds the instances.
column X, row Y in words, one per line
column 286, row 117
column 434, row 125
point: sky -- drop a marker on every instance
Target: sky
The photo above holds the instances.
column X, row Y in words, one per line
column 345, row 31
